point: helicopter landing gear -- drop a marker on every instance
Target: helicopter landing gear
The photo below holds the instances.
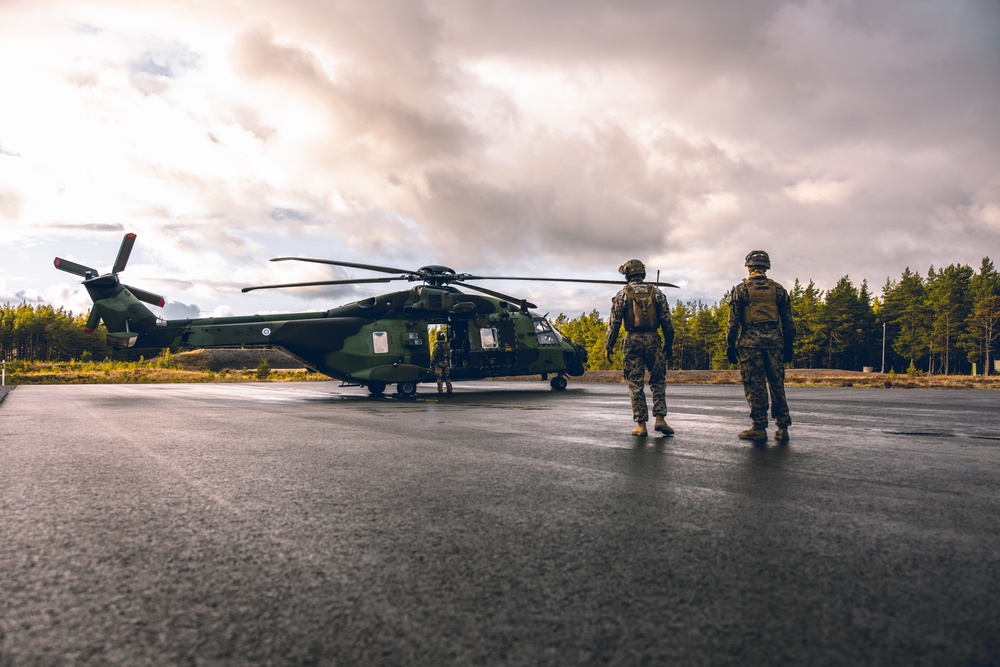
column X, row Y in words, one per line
column 406, row 389
column 376, row 388
column 558, row 383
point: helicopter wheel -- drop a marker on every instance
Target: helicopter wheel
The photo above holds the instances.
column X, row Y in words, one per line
column 558, row 383
column 406, row 389
column 376, row 388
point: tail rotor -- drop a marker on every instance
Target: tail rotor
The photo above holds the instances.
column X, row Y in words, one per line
column 106, row 286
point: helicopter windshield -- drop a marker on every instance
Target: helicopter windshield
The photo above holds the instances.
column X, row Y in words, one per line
column 544, row 332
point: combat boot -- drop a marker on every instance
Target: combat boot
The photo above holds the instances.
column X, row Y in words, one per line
column 449, row 387
column 781, row 435
column 754, row 433
column 640, row 429
column 663, row 427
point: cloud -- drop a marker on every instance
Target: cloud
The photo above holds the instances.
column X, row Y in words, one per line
column 175, row 310
column 360, row 115
column 10, row 203
column 555, row 138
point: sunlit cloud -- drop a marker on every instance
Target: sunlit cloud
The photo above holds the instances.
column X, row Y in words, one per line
column 515, row 138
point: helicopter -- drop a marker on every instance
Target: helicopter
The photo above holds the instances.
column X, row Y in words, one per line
column 374, row 342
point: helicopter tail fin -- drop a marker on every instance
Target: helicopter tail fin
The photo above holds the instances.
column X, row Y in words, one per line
column 118, row 305
column 123, row 314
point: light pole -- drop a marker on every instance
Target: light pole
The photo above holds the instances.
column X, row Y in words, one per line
column 883, row 347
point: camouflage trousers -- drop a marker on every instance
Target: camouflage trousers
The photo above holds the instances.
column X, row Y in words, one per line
column 763, row 372
column 643, row 351
column 443, row 374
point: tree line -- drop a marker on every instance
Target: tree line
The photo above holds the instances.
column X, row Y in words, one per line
column 943, row 322
column 42, row 333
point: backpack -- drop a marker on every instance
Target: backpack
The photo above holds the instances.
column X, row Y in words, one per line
column 640, row 300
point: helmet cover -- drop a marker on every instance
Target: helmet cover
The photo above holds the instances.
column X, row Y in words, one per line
column 631, row 268
column 759, row 259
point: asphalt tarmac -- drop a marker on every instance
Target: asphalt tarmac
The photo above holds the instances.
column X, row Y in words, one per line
column 307, row 524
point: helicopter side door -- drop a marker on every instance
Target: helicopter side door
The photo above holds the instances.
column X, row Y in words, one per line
column 494, row 349
column 484, row 347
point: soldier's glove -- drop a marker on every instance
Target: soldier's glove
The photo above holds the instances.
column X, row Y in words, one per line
column 607, row 355
column 788, row 355
column 732, row 356
column 668, row 352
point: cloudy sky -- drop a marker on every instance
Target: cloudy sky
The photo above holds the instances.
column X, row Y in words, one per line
column 517, row 137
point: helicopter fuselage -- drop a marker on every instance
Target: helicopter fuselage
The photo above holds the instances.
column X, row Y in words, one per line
column 376, row 341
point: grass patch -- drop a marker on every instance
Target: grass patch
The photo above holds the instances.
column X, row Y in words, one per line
column 256, row 365
column 808, row 377
column 163, row 369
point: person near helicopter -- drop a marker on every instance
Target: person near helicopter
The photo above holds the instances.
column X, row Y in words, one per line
column 760, row 337
column 441, row 362
column 643, row 310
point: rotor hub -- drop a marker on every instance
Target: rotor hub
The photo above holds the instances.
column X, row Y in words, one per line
column 437, row 275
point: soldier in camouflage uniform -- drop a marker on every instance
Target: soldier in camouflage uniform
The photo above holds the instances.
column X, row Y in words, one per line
column 441, row 362
column 643, row 309
column 759, row 336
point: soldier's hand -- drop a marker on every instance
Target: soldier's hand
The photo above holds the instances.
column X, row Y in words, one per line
column 668, row 352
column 732, row 356
column 788, row 355
column 608, row 355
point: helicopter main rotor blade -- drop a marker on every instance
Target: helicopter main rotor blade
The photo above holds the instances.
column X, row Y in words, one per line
column 321, row 283
column 123, row 252
column 334, row 262
column 74, row 268
column 564, row 280
column 148, row 297
column 499, row 295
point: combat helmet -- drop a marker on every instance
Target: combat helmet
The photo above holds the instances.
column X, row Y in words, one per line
column 442, row 337
column 759, row 259
column 632, row 268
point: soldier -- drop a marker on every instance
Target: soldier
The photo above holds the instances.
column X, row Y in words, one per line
column 761, row 308
column 441, row 362
column 643, row 309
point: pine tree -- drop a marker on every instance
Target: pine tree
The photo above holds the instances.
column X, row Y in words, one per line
column 908, row 316
column 807, row 308
column 950, row 298
column 981, row 336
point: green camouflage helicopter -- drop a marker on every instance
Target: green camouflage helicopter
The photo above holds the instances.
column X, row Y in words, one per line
column 373, row 342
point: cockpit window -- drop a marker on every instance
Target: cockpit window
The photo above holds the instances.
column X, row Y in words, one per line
column 544, row 332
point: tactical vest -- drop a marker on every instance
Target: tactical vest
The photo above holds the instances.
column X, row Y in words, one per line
column 763, row 305
column 640, row 307
column 442, row 354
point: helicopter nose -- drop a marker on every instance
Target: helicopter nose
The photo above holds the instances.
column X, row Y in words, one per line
column 575, row 358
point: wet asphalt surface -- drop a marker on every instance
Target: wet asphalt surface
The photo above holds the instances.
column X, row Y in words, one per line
column 302, row 524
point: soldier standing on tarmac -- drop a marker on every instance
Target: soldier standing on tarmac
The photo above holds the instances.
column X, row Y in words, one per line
column 643, row 309
column 761, row 308
column 441, row 362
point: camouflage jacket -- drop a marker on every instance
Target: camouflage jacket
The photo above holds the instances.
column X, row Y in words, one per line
column 619, row 306
column 765, row 334
column 441, row 355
